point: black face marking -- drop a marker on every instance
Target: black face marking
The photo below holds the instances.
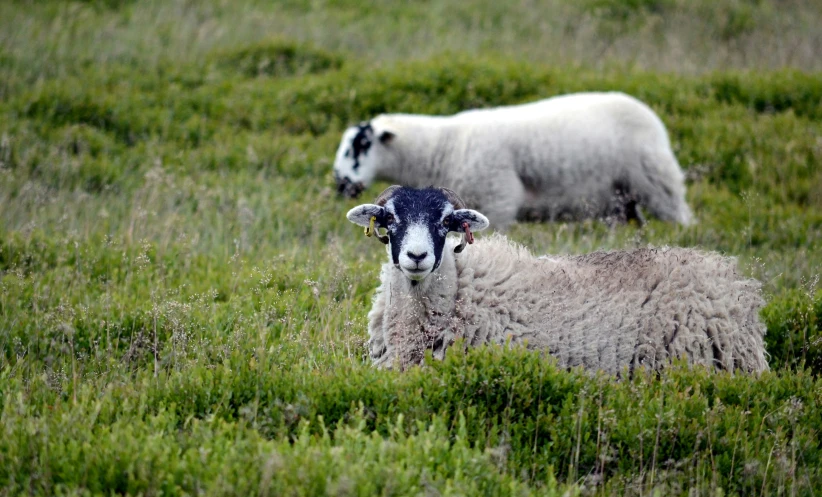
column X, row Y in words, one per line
column 425, row 207
column 347, row 187
column 360, row 143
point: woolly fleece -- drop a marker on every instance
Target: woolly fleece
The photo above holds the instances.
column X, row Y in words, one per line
column 604, row 310
column 561, row 158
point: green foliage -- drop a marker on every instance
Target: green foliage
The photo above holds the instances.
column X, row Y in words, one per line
column 278, row 58
column 794, row 338
column 475, row 419
column 155, row 115
column 797, row 91
column 726, row 21
column 143, row 456
column 183, row 306
column 99, row 4
column 619, row 17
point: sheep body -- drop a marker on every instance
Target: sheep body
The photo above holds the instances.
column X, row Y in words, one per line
column 564, row 158
column 605, row 310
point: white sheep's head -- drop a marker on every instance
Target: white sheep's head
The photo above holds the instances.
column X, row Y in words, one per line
column 417, row 222
column 356, row 162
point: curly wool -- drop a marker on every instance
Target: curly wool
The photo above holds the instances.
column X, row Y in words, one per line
column 605, row 310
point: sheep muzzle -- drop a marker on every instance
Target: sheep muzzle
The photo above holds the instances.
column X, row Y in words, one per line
column 349, row 188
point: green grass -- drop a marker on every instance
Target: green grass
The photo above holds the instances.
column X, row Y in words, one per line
column 183, row 305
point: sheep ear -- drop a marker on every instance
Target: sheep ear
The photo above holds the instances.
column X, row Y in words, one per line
column 386, row 137
column 475, row 220
column 362, row 214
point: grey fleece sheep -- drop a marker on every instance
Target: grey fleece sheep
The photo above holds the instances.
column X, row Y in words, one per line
column 605, row 310
column 564, row 158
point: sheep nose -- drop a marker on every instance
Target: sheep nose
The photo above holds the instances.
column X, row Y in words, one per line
column 417, row 257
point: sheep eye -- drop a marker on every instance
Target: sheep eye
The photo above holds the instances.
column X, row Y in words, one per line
column 447, row 221
column 389, row 219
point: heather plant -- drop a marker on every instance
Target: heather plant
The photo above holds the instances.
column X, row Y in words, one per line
column 183, row 306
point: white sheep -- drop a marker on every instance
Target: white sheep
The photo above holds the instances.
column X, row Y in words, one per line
column 605, row 310
column 568, row 157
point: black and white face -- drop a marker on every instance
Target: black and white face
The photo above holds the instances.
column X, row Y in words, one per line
column 355, row 164
column 417, row 222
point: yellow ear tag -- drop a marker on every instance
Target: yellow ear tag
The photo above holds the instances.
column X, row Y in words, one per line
column 370, row 229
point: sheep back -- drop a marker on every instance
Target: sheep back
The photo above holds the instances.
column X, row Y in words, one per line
column 567, row 157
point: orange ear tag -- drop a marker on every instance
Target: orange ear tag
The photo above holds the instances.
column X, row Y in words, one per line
column 469, row 237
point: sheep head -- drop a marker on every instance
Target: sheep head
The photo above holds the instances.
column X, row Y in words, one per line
column 417, row 222
column 356, row 161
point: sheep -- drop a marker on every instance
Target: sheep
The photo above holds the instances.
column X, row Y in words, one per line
column 571, row 157
column 607, row 310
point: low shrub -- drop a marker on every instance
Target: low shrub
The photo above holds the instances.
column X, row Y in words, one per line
column 278, row 57
column 794, row 338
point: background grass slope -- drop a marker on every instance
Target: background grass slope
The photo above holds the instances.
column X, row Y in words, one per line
column 182, row 304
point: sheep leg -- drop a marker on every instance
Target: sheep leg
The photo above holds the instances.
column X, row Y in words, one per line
column 632, row 212
column 624, row 207
column 659, row 187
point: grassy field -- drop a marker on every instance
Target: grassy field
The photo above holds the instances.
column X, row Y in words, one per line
column 183, row 304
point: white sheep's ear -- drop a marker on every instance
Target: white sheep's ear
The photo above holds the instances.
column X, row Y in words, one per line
column 362, row 214
column 476, row 221
column 386, row 137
